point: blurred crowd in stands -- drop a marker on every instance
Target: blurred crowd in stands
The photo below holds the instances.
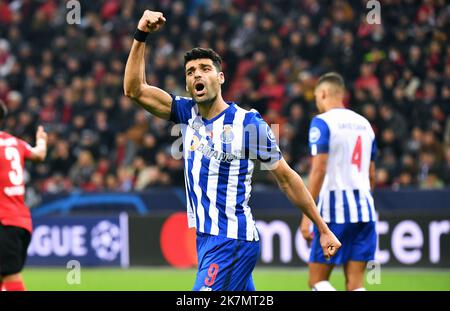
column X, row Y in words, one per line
column 69, row 78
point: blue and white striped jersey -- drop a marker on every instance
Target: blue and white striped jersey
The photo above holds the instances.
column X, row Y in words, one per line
column 219, row 159
column 349, row 140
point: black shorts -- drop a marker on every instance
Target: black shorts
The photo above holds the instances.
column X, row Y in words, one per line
column 14, row 243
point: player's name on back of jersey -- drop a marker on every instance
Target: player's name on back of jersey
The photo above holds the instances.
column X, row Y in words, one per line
column 8, row 142
column 15, row 190
column 352, row 126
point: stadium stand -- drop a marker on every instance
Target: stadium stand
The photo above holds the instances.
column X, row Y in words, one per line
column 69, row 78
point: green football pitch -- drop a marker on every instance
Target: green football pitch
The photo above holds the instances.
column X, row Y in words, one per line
column 273, row 279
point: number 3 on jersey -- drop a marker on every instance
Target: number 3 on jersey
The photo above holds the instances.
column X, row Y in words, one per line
column 16, row 173
column 357, row 152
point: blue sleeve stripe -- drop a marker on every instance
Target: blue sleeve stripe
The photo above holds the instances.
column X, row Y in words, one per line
column 173, row 110
column 262, row 144
column 373, row 154
column 319, row 132
column 180, row 111
column 319, row 136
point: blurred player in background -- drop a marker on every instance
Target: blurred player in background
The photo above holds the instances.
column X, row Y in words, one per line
column 218, row 163
column 343, row 148
column 15, row 219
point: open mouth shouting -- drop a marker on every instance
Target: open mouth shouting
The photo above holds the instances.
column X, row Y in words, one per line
column 199, row 89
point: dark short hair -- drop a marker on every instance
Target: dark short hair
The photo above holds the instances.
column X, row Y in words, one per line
column 3, row 111
column 333, row 78
column 197, row 53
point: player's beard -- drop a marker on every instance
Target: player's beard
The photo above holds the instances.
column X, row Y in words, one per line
column 206, row 101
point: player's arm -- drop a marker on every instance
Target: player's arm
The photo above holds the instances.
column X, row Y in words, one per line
column 373, row 157
column 316, row 177
column 153, row 99
column 319, row 137
column 292, row 185
column 39, row 152
column 372, row 175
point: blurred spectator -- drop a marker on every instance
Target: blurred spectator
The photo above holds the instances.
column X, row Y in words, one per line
column 404, row 180
column 382, row 178
column 446, row 168
column 124, row 152
column 367, row 80
column 7, row 59
column 432, row 181
column 57, row 183
column 61, row 158
column 81, row 172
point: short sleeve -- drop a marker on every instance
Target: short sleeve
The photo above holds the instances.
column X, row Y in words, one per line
column 260, row 142
column 319, row 136
column 26, row 149
column 374, row 152
column 181, row 110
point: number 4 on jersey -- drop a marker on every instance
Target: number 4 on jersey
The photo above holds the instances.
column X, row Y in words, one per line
column 357, row 151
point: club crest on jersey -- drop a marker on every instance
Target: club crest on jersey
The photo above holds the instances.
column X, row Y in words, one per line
column 197, row 124
column 227, row 135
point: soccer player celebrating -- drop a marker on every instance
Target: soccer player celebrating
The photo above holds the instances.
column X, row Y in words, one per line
column 220, row 142
column 343, row 148
column 15, row 219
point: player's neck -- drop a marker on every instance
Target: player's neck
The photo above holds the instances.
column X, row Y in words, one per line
column 210, row 111
column 334, row 105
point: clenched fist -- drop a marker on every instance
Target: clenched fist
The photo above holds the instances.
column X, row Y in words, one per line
column 330, row 244
column 151, row 21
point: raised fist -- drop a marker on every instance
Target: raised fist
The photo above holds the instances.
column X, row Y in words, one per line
column 151, row 21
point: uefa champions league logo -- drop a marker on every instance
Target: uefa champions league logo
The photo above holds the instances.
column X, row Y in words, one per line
column 105, row 240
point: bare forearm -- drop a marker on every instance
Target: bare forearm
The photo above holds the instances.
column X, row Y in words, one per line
column 153, row 99
column 372, row 176
column 135, row 70
column 316, row 177
column 39, row 154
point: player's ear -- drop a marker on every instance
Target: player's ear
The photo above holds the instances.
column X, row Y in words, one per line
column 187, row 90
column 221, row 78
column 323, row 93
